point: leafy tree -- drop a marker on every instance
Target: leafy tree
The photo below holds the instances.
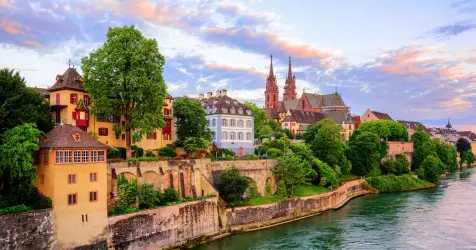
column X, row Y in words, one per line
column 193, row 144
column 17, row 172
column 171, row 195
column 191, row 120
column 127, row 192
column 462, row 145
column 20, row 104
column 327, row 175
column 124, row 78
column 281, row 189
column 432, row 168
column 364, row 153
column 259, row 117
column 447, row 155
column 327, row 142
column 288, row 133
column 167, row 151
column 468, row 157
column 422, row 147
column 301, row 150
column 232, row 185
column 293, row 171
column 265, row 132
column 385, row 129
column 147, row 196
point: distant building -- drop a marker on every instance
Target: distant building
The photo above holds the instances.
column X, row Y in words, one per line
column 231, row 122
column 447, row 134
column 298, row 120
column 370, row 115
column 412, row 127
column 72, row 171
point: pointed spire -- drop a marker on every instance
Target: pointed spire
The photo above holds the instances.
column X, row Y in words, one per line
column 290, row 72
column 271, row 72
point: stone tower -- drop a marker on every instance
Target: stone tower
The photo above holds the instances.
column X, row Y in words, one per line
column 290, row 85
column 272, row 92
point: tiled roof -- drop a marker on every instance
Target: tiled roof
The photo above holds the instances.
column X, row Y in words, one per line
column 468, row 134
column 169, row 97
column 224, row 105
column 271, row 112
column 291, row 104
column 307, row 117
column 339, row 117
column 413, row 125
column 329, row 100
column 70, row 79
column 43, row 91
column 62, row 136
column 382, row 116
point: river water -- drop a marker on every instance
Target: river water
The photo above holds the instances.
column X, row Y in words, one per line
column 439, row 218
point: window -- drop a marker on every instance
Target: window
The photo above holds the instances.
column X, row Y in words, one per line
column 77, row 156
column 166, row 111
column 46, row 157
column 73, row 98
column 42, row 179
column 101, row 155
column 82, row 115
column 103, row 131
column 213, row 134
column 94, row 156
column 241, row 123
column 67, row 156
column 232, row 123
column 72, row 199
column 93, row 196
column 74, row 115
column 214, row 123
column 248, row 136
column 152, row 136
column 123, row 137
column 71, row 178
column 240, row 136
column 59, row 157
column 248, row 124
column 232, row 136
column 224, row 122
column 93, row 177
column 240, row 111
column 85, row 156
column 87, row 101
column 224, row 135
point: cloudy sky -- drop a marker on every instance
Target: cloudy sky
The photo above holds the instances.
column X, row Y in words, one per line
column 415, row 60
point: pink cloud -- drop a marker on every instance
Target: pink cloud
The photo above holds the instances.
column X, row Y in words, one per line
column 13, row 27
column 249, row 70
column 410, row 60
column 32, row 43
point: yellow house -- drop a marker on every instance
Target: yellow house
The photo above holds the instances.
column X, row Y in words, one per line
column 70, row 102
column 72, row 171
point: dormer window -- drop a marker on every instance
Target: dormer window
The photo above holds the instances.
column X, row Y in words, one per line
column 214, row 110
column 227, row 102
column 232, row 110
column 248, row 112
column 224, row 110
column 235, row 102
column 240, row 111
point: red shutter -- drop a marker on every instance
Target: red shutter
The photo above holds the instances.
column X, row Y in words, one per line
column 107, row 132
column 99, row 131
column 155, row 135
column 71, row 98
column 74, row 115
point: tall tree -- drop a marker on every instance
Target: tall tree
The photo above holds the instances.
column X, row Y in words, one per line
column 124, row 78
column 385, row 129
column 232, row 185
column 259, row 116
column 293, row 170
column 191, row 120
column 364, row 153
column 422, row 147
column 462, row 145
column 20, row 104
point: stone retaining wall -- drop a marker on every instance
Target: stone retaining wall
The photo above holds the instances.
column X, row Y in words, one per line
column 29, row 230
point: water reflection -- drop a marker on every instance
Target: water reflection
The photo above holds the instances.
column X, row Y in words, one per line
column 442, row 218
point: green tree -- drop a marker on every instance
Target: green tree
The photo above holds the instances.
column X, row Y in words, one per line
column 265, row 132
column 462, row 145
column 259, row 117
column 432, row 168
column 191, row 120
column 288, row 133
column 127, row 191
column 124, row 78
column 193, row 144
column 167, row 151
column 327, row 175
column 147, row 196
column 327, row 142
column 232, row 185
column 364, row 153
column 422, row 147
column 20, row 104
column 468, row 157
column 293, row 171
column 17, row 172
column 385, row 129
column 447, row 155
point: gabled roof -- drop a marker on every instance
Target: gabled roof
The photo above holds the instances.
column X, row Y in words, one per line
column 413, row 125
column 291, row 104
column 382, row 116
column 339, row 117
column 468, row 134
column 271, row 112
column 306, row 117
column 43, row 91
column 63, row 136
column 328, row 100
column 81, row 106
column 70, row 79
column 224, row 105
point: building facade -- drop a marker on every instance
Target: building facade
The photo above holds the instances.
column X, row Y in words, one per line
column 370, row 115
column 232, row 122
column 72, row 171
column 70, row 104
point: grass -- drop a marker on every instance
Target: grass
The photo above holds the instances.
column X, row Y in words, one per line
column 260, row 200
column 349, row 177
column 308, row 190
column 393, row 183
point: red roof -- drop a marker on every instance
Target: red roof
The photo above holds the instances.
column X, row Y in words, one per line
column 70, row 79
column 305, row 117
column 69, row 136
column 356, row 120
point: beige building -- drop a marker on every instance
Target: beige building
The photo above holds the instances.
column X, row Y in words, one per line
column 370, row 115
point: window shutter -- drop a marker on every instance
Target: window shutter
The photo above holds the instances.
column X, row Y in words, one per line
column 107, row 132
column 71, row 98
column 155, row 135
column 99, row 131
column 74, row 115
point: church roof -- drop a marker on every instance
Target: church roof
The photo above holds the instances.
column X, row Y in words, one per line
column 64, row 136
column 339, row 117
column 291, row 104
column 306, row 117
column 328, row 100
column 70, row 79
column 382, row 116
column 271, row 112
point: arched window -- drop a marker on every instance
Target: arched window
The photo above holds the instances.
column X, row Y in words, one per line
column 248, row 123
column 248, row 136
column 224, row 135
column 240, row 136
column 224, row 122
column 232, row 123
column 214, row 123
column 240, row 123
column 232, row 136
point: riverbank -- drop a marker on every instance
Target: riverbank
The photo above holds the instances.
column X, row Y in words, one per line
column 392, row 183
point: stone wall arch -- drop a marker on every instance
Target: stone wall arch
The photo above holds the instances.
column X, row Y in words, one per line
column 152, row 177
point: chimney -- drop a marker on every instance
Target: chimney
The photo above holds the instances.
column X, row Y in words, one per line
column 201, row 97
column 218, row 93
column 223, row 92
column 209, row 94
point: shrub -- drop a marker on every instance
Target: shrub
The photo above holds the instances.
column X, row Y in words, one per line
column 251, row 157
column 149, row 153
column 231, row 185
column 15, row 209
column 393, row 183
column 274, row 152
column 388, row 166
column 224, row 151
column 171, row 195
column 193, row 144
column 116, row 152
column 139, row 151
column 127, row 191
column 433, row 168
column 252, row 191
column 147, row 196
column 228, row 157
column 167, row 151
column 268, row 188
column 281, row 190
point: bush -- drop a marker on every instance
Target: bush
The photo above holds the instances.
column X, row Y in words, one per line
column 116, row 152
column 281, row 190
column 139, row 151
column 149, row 153
column 127, row 191
column 231, row 185
column 433, row 168
column 252, row 191
column 393, row 183
column 224, row 151
column 167, row 151
column 15, row 209
column 171, row 195
column 228, row 157
column 251, row 157
column 327, row 174
column 147, row 196
column 388, row 166
column 274, row 152
column 193, row 144
column 268, row 188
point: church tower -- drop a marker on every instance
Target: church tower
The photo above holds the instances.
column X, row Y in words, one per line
column 272, row 92
column 290, row 85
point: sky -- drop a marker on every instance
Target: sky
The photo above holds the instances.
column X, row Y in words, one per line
column 415, row 60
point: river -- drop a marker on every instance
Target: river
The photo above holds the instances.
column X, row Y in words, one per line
column 439, row 218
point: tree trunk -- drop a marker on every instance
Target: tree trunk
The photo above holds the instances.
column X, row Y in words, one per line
column 128, row 138
column 292, row 191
